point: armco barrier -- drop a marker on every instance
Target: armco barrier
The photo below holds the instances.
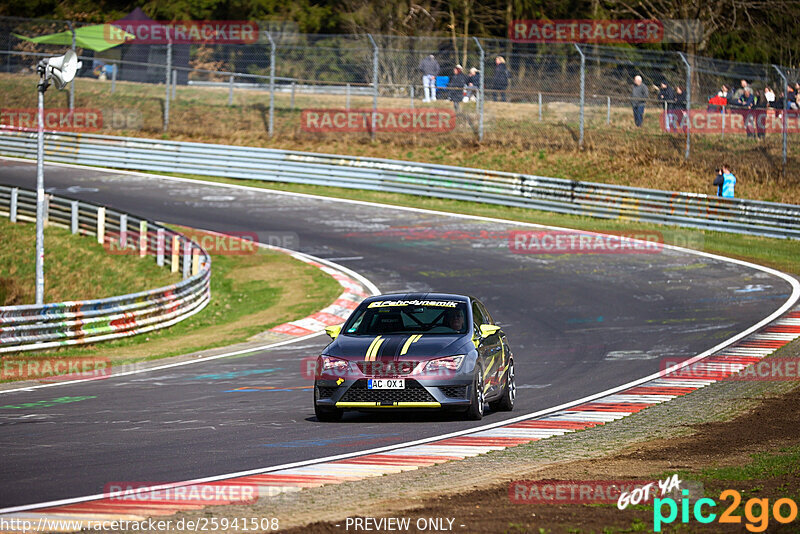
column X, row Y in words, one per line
column 502, row 188
column 33, row 327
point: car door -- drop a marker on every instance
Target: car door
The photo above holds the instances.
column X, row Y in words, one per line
column 489, row 349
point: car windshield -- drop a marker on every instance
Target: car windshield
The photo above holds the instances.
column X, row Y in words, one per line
column 408, row 317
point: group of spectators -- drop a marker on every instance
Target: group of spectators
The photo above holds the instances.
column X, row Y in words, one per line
column 463, row 87
column 745, row 100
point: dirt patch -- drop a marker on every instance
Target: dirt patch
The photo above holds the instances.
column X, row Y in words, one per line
column 10, row 292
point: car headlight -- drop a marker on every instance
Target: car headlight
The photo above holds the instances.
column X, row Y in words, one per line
column 443, row 365
column 334, row 365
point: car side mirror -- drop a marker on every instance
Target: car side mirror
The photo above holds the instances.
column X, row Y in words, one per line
column 333, row 331
column 488, row 329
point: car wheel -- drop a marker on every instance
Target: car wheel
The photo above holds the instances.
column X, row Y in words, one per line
column 506, row 401
column 326, row 414
column 477, row 399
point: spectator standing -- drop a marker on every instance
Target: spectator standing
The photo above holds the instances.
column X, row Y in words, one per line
column 740, row 91
column 456, row 86
column 638, row 99
column 678, row 107
column 769, row 96
column 500, row 79
column 666, row 99
column 760, row 114
column 473, row 84
column 746, row 103
column 430, row 69
column 728, row 182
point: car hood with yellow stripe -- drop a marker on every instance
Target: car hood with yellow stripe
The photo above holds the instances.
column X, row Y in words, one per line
column 399, row 347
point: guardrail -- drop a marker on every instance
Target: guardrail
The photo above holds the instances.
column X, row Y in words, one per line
column 34, row 327
column 501, row 188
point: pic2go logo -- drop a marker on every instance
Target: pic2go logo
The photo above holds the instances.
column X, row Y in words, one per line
column 756, row 511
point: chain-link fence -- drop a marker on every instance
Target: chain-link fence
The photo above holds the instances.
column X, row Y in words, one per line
column 422, row 90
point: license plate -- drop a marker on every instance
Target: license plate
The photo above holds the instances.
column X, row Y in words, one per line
column 386, row 383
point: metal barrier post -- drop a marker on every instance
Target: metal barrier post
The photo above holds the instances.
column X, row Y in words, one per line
column 101, row 225
column 723, row 122
column 230, row 90
column 160, row 247
column 12, row 211
column 187, row 256
column 123, row 231
column 482, row 75
column 785, row 110
column 175, row 251
column 113, row 77
column 74, row 217
column 174, row 82
column 347, row 97
column 411, row 94
column 72, row 85
column 294, row 84
column 271, row 84
column 143, row 239
column 374, row 84
column 195, row 261
column 540, row 107
column 688, row 105
column 583, row 90
column 166, row 83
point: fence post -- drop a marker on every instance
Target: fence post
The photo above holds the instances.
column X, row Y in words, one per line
column 583, row 91
column 175, row 252
column 347, row 97
column 723, row 122
column 374, row 84
column 482, row 75
column 608, row 110
column 166, row 83
column 294, row 84
column 113, row 77
column 187, row 257
column 688, row 105
column 540, row 107
column 411, row 94
column 230, row 90
column 123, row 231
column 143, row 239
column 12, row 211
column 101, row 225
column 74, row 217
column 160, row 247
column 174, row 82
column 271, row 127
column 785, row 110
column 72, row 85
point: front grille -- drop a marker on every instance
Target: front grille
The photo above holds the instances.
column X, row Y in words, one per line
column 454, row 392
column 326, row 392
column 413, row 392
column 390, row 368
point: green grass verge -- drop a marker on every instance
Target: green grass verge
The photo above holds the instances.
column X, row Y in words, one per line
column 782, row 254
column 250, row 293
column 75, row 268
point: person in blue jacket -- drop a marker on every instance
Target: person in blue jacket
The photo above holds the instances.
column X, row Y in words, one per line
column 725, row 182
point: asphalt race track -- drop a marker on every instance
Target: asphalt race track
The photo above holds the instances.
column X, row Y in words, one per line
column 578, row 324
